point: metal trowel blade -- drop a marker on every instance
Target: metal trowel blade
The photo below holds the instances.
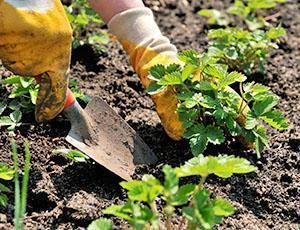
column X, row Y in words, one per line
column 117, row 146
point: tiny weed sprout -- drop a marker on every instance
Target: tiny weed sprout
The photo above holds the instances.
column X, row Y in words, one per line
column 80, row 16
column 249, row 11
column 197, row 205
column 20, row 190
column 73, row 155
column 209, row 109
column 243, row 50
column 6, row 173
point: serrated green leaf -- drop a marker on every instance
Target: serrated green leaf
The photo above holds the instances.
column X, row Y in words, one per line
column 157, row 72
column 203, row 86
column 154, row 88
column 171, row 79
column 101, row 224
column 231, row 78
column 265, row 105
column 146, row 190
column 6, row 121
column 216, row 70
column 251, row 121
column 223, row 166
column 187, row 71
column 222, row 207
column 6, row 172
column 16, row 116
column 190, row 57
column 276, row 32
column 190, row 103
column 214, row 135
column 14, row 79
column 275, row 119
column 181, row 197
column 198, row 144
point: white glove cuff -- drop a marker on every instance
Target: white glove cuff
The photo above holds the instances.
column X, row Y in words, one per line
column 138, row 27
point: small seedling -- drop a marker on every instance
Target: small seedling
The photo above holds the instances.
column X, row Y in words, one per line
column 81, row 16
column 208, row 109
column 242, row 50
column 20, row 190
column 21, row 100
column 6, row 173
column 73, row 155
column 195, row 203
column 247, row 10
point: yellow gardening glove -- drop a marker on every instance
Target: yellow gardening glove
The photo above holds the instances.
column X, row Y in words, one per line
column 35, row 40
column 140, row 36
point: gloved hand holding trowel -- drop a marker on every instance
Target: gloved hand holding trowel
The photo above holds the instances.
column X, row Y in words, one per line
column 35, row 40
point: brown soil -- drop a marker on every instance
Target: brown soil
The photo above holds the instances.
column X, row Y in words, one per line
column 65, row 195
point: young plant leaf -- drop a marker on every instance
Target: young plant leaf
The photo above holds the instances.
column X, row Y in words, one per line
column 222, row 166
column 101, row 224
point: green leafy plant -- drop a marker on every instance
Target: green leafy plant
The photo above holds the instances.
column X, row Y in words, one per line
column 215, row 17
column 101, row 224
column 84, row 22
column 6, row 173
column 73, row 155
column 21, row 99
column 207, row 107
column 20, row 190
column 197, row 205
column 247, row 10
column 243, row 50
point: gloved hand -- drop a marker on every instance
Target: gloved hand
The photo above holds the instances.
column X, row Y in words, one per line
column 141, row 38
column 35, row 40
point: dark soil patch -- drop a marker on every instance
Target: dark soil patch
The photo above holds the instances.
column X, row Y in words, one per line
column 63, row 195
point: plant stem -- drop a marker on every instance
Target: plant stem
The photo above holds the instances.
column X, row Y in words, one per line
column 25, row 180
column 18, row 222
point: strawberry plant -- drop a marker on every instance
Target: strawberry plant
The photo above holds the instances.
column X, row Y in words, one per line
column 247, row 10
column 243, row 50
column 6, row 173
column 196, row 204
column 81, row 16
column 209, row 109
column 21, row 99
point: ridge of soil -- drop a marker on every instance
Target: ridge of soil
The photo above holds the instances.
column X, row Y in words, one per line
column 65, row 195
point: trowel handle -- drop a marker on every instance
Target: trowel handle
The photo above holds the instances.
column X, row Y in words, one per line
column 70, row 99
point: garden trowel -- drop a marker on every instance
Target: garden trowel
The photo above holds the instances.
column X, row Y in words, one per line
column 99, row 132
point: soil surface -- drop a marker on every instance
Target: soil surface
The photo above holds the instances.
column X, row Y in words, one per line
column 66, row 195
